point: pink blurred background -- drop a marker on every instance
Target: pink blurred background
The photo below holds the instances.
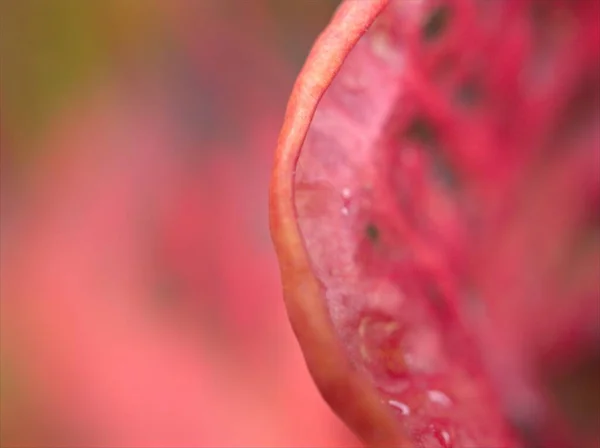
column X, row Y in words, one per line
column 140, row 295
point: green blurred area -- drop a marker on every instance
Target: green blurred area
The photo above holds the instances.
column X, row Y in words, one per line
column 50, row 48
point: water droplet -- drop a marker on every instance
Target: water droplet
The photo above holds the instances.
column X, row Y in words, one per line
column 346, row 199
column 444, row 438
column 402, row 408
column 436, row 436
column 439, row 397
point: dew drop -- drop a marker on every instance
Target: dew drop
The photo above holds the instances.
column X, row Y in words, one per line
column 444, row 438
column 346, row 198
column 402, row 408
column 439, row 397
column 436, row 436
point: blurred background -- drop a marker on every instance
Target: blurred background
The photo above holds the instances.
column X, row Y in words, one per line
column 139, row 291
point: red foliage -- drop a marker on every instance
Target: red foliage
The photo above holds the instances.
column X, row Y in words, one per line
column 434, row 208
